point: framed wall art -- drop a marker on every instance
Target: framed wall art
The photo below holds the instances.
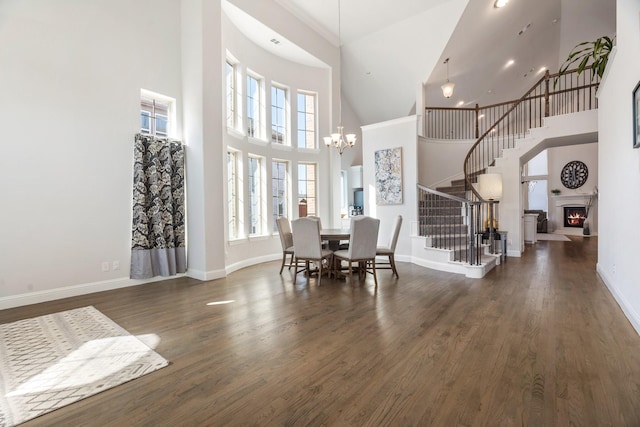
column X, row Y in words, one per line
column 636, row 116
column 388, row 176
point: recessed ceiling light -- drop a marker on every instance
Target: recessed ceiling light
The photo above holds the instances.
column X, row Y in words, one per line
column 460, row 103
column 500, row 3
column 542, row 70
column 510, row 63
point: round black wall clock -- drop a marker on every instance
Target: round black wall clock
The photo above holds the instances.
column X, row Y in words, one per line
column 574, row 174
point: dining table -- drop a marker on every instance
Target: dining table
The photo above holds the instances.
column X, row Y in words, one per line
column 334, row 236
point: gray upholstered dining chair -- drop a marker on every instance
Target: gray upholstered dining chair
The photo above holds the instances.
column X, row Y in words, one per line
column 325, row 244
column 362, row 246
column 390, row 249
column 286, row 240
column 308, row 247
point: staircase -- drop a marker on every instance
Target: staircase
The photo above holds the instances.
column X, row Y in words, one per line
column 448, row 222
column 449, row 216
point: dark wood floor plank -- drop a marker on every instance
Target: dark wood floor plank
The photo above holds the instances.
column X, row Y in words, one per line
column 538, row 342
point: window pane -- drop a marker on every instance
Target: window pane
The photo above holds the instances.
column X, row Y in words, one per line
column 538, row 165
column 232, row 187
column 306, row 121
column 307, row 187
column 255, row 214
column 278, row 115
column 161, row 124
column 155, row 116
column 231, row 94
column 253, row 107
column 145, row 122
column 279, row 191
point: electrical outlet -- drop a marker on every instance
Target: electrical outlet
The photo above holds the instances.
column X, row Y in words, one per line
column 115, row 265
column 105, row 266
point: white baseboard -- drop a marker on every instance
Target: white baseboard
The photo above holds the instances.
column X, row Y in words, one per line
column 627, row 308
column 73, row 291
column 205, row 275
column 252, row 261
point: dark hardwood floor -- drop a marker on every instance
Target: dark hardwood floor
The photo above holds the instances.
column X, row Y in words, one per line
column 538, row 342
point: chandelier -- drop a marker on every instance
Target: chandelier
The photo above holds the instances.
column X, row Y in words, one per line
column 339, row 140
column 447, row 88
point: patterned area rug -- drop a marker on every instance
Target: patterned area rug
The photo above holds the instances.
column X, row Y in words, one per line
column 51, row 361
column 550, row 236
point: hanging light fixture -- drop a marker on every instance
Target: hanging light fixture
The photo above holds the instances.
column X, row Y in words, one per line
column 339, row 140
column 447, row 88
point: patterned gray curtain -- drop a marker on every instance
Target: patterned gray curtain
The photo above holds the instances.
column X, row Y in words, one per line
column 158, row 240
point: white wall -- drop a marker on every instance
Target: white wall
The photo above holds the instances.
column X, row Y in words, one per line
column 441, row 160
column 70, row 106
column 619, row 164
column 71, row 78
column 392, row 134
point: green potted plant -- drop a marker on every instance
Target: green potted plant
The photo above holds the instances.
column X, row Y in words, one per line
column 593, row 55
column 555, row 191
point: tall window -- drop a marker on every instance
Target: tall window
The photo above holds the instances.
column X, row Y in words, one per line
column 278, row 115
column 254, row 107
column 537, row 174
column 306, row 120
column 307, row 187
column 155, row 116
column 255, row 195
column 232, row 102
column 232, row 191
column 279, row 190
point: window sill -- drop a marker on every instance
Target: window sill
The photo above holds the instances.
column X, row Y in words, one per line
column 258, row 237
column 257, row 141
column 281, row 147
column 237, row 241
column 309, row 150
column 235, row 133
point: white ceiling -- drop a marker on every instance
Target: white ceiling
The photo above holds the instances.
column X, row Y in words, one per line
column 390, row 47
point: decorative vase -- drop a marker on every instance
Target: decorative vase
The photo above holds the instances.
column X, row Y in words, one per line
column 585, row 227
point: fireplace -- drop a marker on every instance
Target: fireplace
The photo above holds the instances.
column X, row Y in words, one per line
column 574, row 216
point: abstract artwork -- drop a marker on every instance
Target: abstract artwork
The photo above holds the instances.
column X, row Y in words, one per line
column 388, row 164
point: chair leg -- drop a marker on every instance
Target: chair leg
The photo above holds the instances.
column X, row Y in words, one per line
column 319, row 272
column 291, row 262
column 373, row 271
column 295, row 272
column 392, row 261
column 350, row 272
column 284, row 259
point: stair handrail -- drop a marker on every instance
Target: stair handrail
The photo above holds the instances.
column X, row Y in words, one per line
column 467, row 176
column 546, row 78
column 446, row 195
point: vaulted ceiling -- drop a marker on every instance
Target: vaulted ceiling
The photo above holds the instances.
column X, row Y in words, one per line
column 388, row 48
